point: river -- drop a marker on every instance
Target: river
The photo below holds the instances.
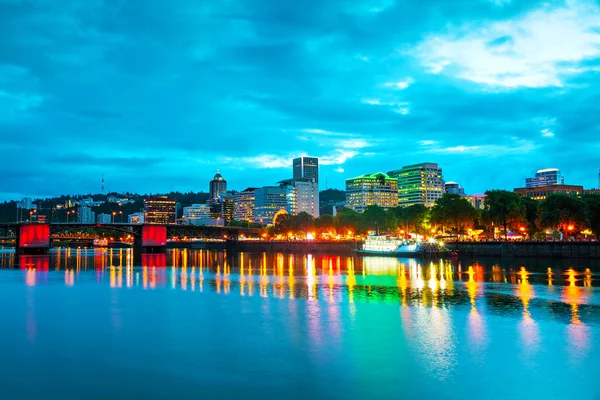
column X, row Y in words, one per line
column 197, row 324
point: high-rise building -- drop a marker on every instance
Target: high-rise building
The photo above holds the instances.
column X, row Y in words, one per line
column 159, row 210
column 243, row 205
column 306, row 167
column 371, row 189
column 271, row 200
column 197, row 214
column 419, row 184
column 104, row 218
column 545, row 177
column 221, row 208
column 454, row 188
column 217, row 185
column 306, row 192
column 85, row 215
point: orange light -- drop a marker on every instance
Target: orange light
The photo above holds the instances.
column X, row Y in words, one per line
column 522, row 229
column 571, row 227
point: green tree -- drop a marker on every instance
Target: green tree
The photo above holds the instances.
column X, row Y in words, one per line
column 325, row 223
column 504, row 208
column 593, row 209
column 302, row 222
column 530, row 208
column 454, row 212
column 348, row 220
column 412, row 218
column 374, row 218
column 563, row 212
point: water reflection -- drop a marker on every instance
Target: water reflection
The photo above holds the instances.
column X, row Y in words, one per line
column 564, row 294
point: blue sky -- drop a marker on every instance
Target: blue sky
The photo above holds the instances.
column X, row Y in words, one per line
column 158, row 95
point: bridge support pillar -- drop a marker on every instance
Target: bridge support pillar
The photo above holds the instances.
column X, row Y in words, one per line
column 152, row 240
column 232, row 246
column 32, row 239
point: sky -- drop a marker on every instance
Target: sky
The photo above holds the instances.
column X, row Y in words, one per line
column 159, row 95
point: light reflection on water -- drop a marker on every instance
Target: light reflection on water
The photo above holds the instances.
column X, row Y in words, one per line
column 448, row 316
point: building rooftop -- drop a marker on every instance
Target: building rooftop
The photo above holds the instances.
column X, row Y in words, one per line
column 373, row 176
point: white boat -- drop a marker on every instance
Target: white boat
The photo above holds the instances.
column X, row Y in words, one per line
column 101, row 242
column 398, row 247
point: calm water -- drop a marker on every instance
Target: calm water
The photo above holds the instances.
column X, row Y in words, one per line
column 194, row 324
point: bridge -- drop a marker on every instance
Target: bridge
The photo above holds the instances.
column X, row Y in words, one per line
column 36, row 238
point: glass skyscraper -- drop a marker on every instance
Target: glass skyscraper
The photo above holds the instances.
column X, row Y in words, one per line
column 306, row 167
column 545, row 177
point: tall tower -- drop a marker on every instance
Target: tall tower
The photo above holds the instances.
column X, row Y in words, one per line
column 216, row 186
column 306, row 167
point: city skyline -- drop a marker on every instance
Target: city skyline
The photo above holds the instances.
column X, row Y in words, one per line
column 136, row 94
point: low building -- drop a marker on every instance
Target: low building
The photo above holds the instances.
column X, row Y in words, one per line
column 136, row 218
column 159, row 210
column 541, row 192
column 104, row 218
column 371, row 189
column 477, row 201
column 85, row 215
column 197, row 214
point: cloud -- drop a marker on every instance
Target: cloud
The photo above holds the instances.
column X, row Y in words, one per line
column 518, row 146
column 401, row 85
column 339, row 169
column 547, row 133
column 519, row 52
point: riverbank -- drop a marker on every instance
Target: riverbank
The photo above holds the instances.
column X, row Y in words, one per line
column 528, row 249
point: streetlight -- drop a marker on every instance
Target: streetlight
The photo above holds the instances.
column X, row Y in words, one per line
column 31, row 214
column 113, row 216
column 121, row 216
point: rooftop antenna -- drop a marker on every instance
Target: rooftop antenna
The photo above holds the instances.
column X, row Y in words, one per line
column 103, row 183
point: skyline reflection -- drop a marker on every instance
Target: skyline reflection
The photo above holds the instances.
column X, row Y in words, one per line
column 336, row 279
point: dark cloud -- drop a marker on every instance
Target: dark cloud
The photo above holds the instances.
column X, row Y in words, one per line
column 158, row 95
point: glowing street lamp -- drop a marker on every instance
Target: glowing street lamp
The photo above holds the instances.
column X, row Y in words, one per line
column 113, row 216
column 31, row 214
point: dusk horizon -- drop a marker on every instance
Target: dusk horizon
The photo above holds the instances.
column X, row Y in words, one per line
column 158, row 98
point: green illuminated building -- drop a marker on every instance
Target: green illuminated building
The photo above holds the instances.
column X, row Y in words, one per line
column 419, row 184
column 371, row 189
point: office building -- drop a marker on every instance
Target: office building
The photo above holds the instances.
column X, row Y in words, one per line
column 477, row 201
column 371, row 189
column 545, row 177
column 216, row 186
column 221, row 208
column 159, row 210
column 541, row 192
column 104, row 218
column 197, row 214
column 454, row 188
column 85, row 215
column 306, row 193
column 243, row 205
column 269, row 201
column 306, row 167
column 136, row 218
column 419, row 184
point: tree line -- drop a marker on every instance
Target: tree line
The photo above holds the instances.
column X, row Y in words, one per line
column 454, row 215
